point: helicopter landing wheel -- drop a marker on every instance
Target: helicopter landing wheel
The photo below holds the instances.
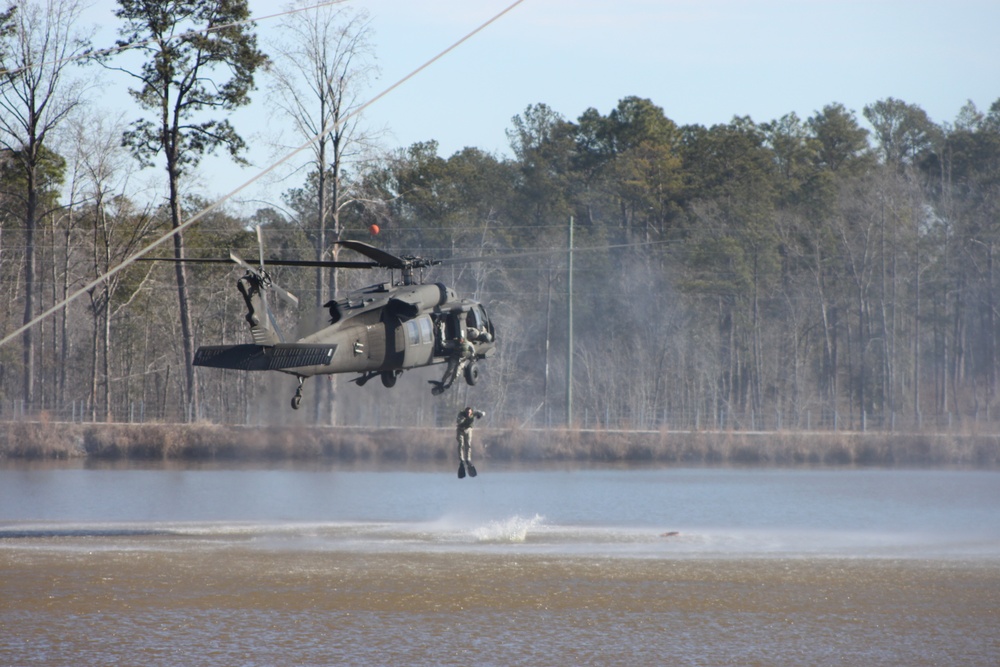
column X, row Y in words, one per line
column 297, row 398
column 389, row 378
column 472, row 373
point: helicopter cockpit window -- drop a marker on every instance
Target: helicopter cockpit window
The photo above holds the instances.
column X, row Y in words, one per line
column 477, row 318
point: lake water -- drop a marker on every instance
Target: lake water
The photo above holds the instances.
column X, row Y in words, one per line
column 323, row 566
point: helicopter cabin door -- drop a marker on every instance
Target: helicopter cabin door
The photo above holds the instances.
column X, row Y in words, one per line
column 418, row 341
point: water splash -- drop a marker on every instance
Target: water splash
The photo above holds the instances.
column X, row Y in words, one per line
column 514, row 529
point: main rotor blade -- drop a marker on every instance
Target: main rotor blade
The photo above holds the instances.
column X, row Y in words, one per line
column 387, row 260
column 186, row 260
column 383, row 258
column 535, row 253
column 329, row 264
column 499, row 258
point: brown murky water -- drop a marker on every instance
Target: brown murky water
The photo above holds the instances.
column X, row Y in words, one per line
column 246, row 606
column 263, row 567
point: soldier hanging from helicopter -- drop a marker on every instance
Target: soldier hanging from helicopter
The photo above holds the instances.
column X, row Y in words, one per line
column 467, row 329
column 462, row 355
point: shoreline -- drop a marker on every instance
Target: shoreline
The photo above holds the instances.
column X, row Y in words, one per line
column 211, row 442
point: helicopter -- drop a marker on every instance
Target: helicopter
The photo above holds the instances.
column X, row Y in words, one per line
column 381, row 330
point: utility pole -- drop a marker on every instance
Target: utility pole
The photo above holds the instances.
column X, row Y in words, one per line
column 569, row 343
column 548, row 335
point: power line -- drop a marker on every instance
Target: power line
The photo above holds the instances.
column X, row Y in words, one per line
column 189, row 33
column 217, row 203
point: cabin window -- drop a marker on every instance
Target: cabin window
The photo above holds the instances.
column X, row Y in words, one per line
column 426, row 330
column 412, row 332
column 476, row 318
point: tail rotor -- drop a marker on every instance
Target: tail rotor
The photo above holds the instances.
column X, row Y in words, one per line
column 254, row 286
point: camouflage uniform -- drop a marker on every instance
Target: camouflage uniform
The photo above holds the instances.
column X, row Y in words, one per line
column 462, row 355
column 463, row 433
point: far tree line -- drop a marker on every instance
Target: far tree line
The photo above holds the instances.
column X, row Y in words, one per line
column 835, row 271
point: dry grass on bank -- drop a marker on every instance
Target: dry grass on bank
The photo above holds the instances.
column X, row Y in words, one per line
column 208, row 442
column 735, row 448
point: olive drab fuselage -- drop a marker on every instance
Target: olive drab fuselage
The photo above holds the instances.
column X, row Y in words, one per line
column 380, row 330
column 395, row 328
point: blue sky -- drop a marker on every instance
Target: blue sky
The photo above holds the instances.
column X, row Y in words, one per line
column 702, row 61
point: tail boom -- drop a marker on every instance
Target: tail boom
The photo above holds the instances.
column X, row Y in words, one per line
column 251, row 357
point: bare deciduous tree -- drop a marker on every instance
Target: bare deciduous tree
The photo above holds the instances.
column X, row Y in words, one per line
column 102, row 179
column 321, row 66
column 37, row 46
column 202, row 58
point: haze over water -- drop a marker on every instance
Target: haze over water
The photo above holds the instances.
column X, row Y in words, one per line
column 321, row 566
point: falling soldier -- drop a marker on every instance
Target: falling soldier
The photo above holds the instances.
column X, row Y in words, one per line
column 463, row 433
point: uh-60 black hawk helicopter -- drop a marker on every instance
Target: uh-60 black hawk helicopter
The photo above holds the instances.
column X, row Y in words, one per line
column 380, row 330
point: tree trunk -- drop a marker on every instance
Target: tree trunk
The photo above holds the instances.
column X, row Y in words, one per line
column 106, row 367
column 28, row 337
column 187, row 335
column 323, row 391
